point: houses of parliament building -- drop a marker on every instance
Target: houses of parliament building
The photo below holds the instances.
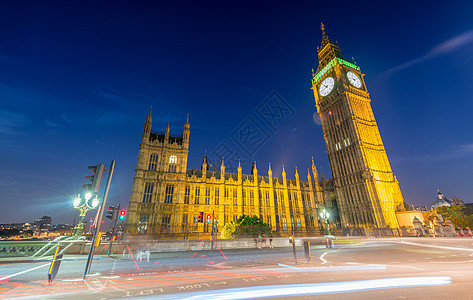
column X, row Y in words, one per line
column 168, row 200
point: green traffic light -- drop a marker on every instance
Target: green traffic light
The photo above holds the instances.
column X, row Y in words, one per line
column 122, row 217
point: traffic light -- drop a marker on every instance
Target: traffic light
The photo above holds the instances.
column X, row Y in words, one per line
column 122, row 215
column 111, row 212
column 209, row 218
column 96, row 178
column 201, row 217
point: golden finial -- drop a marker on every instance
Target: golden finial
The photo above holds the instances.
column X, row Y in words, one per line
column 322, row 26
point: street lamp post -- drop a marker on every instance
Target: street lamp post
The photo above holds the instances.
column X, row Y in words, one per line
column 325, row 214
column 82, row 204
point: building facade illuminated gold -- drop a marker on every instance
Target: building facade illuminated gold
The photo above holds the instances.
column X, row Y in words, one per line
column 167, row 198
column 367, row 192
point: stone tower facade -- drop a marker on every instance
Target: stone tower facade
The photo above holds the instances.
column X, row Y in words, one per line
column 367, row 192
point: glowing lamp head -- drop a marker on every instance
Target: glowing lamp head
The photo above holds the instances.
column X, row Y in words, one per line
column 88, row 195
column 95, row 202
column 76, row 201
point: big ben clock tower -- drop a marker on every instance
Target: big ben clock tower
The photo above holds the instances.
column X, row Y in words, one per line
column 368, row 193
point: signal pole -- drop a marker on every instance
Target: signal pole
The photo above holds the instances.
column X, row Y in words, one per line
column 113, row 229
column 97, row 228
column 212, row 240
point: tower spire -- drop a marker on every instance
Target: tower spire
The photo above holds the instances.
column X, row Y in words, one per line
column 328, row 50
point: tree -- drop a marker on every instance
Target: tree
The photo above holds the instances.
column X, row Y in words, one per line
column 454, row 213
column 245, row 226
column 252, row 226
column 228, row 231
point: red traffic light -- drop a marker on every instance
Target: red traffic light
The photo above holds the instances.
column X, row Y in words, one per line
column 122, row 215
column 110, row 212
column 209, row 218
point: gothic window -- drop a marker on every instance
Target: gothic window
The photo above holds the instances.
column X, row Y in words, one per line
column 153, row 162
column 172, row 163
column 143, row 224
column 187, row 195
column 296, row 203
column 197, row 195
column 243, row 200
column 235, row 196
column 148, row 192
column 298, row 223
column 226, row 195
column 184, row 223
column 225, row 219
column 252, row 197
column 268, row 203
column 281, row 197
column 165, row 223
column 168, row 194
column 207, row 196
column 284, row 223
column 217, row 196
column 292, row 222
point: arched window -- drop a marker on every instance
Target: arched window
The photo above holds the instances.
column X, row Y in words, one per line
column 153, row 162
column 172, row 163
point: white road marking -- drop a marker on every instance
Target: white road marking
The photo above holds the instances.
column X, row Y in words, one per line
column 23, row 272
column 322, row 257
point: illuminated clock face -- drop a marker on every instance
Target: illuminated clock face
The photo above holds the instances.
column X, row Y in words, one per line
column 327, row 86
column 354, row 80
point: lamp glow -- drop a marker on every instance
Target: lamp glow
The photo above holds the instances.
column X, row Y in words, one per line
column 87, row 196
column 76, row 202
column 95, row 202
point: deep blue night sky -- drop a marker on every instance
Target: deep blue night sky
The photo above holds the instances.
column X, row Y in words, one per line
column 77, row 80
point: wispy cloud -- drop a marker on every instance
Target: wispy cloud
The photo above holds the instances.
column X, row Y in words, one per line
column 443, row 48
column 10, row 121
column 452, row 152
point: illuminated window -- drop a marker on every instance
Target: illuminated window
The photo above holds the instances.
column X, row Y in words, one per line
column 298, row 223
column 143, row 224
column 187, row 195
column 153, row 162
column 284, row 223
column 172, row 163
column 292, row 222
column 148, row 192
column 168, row 194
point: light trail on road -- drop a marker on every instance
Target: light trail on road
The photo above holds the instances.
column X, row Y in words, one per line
column 310, row 289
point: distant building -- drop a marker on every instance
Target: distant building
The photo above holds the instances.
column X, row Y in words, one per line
column 19, row 226
column 441, row 201
column 62, row 229
column 42, row 225
column 420, row 208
